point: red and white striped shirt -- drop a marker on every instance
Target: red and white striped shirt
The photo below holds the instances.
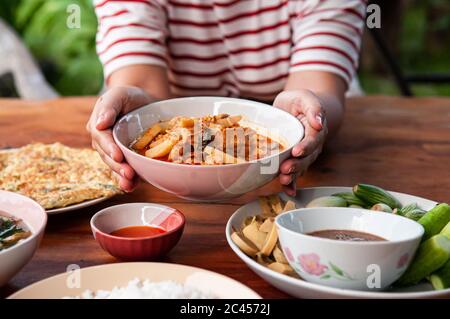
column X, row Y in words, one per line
column 231, row 47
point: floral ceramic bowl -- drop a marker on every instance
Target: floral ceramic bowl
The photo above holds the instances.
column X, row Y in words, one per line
column 359, row 265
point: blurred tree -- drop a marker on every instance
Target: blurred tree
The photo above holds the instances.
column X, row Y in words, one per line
column 418, row 33
column 68, row 55
column 391, row 17
column 8, row 9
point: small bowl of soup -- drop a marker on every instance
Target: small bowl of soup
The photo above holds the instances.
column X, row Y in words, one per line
column 348, row 248
column 22, row 226
column 138, row 231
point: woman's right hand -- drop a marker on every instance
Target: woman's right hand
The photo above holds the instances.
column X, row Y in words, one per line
column 115, row 102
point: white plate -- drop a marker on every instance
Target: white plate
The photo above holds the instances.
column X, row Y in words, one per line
column 81, row 205
column 106, row 277
column 303, row 289
column 69, row 208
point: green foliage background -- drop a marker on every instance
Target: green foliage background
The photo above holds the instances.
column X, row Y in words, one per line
column 423, row 48
column 71, row 65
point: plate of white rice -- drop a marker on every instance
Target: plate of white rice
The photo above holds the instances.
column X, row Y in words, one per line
column 138, row 280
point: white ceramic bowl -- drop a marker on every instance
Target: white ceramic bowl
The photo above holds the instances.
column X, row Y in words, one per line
column 201, row 182
column 34, row 217
column 344, row 264
column 106, row 277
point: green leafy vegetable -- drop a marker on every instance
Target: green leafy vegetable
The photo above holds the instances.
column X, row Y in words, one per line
column 10, row 232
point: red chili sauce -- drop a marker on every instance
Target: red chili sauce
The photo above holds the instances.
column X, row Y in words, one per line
column 137, row 231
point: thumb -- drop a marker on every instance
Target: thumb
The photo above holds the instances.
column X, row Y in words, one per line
column 285, row 100
column 302, row 102
column 315, row 116
column 116, row 101
column 106, row 118
column 108, row 107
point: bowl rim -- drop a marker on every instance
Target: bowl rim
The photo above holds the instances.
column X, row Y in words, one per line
column 261, row 160
column 350, row 243
column 176, row 229
column 191, row 269
column 34, row 234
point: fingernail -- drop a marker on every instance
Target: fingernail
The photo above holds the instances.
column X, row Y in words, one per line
column 299, row 153
column 100, row 119
column 319, row 119
column 292, row 192
column 291, row 170
column 122, row 172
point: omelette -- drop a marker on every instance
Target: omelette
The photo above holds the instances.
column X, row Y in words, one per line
column 56, row 175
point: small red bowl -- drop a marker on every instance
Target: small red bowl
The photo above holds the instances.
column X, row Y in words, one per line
column 138, row 214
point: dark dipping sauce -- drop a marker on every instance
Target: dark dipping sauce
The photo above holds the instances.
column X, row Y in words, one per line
column 346, row 235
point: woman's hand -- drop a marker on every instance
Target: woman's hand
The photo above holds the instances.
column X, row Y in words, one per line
column 307, row 107
column 109, row 106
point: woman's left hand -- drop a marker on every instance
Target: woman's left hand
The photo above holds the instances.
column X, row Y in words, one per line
column 307, row 107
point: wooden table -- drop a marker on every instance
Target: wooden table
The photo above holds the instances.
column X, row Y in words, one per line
column 400, row 144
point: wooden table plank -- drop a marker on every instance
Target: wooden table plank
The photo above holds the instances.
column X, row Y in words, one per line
column 400, row 144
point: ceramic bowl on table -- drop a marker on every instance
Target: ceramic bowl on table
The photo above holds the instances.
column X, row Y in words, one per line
column 359, row 265
column 34, row 218
column 207, row 182
column 109, row 276
column 110, row 219
column 304, row 289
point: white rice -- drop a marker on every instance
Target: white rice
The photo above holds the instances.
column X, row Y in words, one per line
column 137, row 289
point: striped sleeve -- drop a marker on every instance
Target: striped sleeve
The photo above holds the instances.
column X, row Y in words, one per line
column 327, row 36
column 130, row 32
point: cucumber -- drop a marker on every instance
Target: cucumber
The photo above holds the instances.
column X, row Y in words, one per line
column 327, row 201
column 446, row 230
column 351, row 199
column 441, row 278
column 435, row 220
column 431, row 255
column 373, row 195
column 412, row 211
column 415, row 214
